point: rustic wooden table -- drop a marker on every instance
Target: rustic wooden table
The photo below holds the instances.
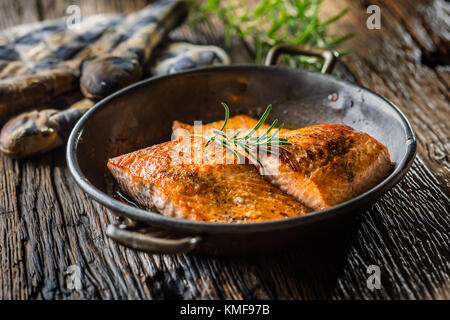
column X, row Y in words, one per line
column 48, row 224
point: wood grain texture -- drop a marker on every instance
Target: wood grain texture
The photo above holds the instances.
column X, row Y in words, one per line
column 17, row 12
column 428, row 25
column 47, row 223
column 54, row 225
column 389, row 62
column 50, row 9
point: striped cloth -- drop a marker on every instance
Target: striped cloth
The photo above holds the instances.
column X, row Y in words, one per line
column 50, row 75
column 107, row 52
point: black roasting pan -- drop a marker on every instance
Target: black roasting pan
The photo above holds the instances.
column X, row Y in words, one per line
column 141, row 115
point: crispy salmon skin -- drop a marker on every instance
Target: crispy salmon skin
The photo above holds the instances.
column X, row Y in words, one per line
column 183, row 179
column 326, row 164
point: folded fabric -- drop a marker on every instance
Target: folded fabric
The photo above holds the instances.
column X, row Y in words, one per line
column 102, row 54
column 40, row 131
column 180, row 56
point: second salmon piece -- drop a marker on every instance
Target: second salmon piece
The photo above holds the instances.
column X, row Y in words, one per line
column 326, row 164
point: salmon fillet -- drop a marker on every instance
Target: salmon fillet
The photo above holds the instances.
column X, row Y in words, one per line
column 185, row 180
column 326, row 164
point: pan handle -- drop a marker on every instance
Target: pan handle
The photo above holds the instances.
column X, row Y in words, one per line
column 150, row 243
column 329, row 56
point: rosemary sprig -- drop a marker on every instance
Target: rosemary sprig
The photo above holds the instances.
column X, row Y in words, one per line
column 248, row 142
column 261, row 24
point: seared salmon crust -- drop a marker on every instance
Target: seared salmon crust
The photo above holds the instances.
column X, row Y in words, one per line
column 183, row 179
column 326, row 164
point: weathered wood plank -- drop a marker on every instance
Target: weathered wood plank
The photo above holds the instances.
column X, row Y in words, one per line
column 427, row 22
column 47, row 223
column 389, row 62
column 58, row 8
column 17, row 12
column 13, row 276
column 405, row 233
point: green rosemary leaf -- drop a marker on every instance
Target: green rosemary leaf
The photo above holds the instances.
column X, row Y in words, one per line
column 261, row 24
column 226, row 145
column 221, row 133
column 260, row 122
column 254, row 158
column 235, row 135
column 210, row 140
column 337, row 41
column 227, row 116
column 249, row 144
column 336, row 17
column 278, row 130
column 274, row 123
column 282, row 148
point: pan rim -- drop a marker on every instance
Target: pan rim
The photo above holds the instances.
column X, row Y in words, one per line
column 197, row 227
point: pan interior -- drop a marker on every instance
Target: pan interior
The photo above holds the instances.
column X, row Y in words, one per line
column 142, row 115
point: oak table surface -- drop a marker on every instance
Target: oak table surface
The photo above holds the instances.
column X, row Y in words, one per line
column 48, row 224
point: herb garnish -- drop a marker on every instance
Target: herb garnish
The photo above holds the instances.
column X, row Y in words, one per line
column 262, row 24
column 248, row 142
